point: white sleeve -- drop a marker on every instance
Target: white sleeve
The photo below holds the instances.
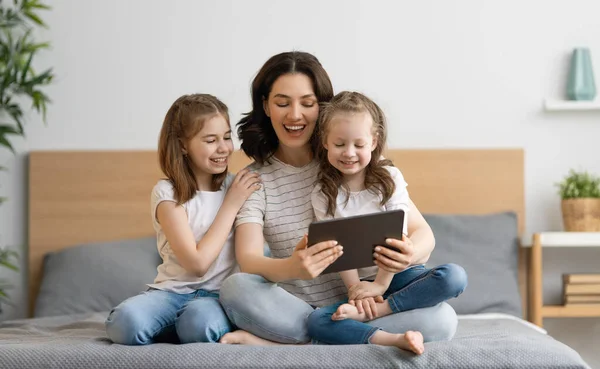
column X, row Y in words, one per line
column 162, row 191
column 319, row 204
column 400, row 198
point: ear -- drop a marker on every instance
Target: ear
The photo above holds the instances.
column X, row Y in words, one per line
column 374, row 144
column 184, row 150
column 266, row 107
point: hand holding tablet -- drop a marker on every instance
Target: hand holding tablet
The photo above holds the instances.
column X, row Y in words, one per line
column 359, row 235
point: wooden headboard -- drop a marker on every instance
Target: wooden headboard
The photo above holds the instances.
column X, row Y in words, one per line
column 78, row 197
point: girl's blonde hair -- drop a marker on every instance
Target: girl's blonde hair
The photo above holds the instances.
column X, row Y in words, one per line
column 184, row 119
column 377, row 178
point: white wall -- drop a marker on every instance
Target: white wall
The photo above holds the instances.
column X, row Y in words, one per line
column 448, row 74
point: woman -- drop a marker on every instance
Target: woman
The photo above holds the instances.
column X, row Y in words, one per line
column 272, row 298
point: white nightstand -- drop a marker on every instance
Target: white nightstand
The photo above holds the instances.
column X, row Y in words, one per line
column 537, row 310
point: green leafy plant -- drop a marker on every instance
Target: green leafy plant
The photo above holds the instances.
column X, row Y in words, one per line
column 6, row 260
column 20, row 85
column 18, row 79
column 579, row 185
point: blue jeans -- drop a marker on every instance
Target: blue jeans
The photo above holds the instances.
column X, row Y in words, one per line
column 413, row 288
column 266, row 310
column 162, row 316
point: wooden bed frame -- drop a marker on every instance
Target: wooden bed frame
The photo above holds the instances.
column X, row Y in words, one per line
column 78, row 197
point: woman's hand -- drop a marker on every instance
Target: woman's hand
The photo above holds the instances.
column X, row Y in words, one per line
column 309, row 262
column 395, row 261
column 244, row 183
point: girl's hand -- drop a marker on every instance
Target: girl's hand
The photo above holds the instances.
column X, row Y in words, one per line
column 395, row 261
column 367, row 306
column 241, row 188
column 365, row 289
column 309, row 262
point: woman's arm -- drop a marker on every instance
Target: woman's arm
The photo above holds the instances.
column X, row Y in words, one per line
column 305, row 262
column 412, row 250
column 249, row 252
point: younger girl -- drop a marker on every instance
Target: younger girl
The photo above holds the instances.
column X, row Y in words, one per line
column 354, row 179
column 192, row 212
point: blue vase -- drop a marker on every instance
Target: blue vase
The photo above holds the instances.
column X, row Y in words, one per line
column 581, row 85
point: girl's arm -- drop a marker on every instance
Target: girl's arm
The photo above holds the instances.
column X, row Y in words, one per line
column 421, row 235
column 350, row 278
column 194, row 257
column 412, row 250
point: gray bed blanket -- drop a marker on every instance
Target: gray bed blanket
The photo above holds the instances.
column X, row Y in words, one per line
column 80, row 342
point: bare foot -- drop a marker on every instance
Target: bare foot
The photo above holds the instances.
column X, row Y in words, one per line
column 410, row 341
column 347, row 311
column 241, row 337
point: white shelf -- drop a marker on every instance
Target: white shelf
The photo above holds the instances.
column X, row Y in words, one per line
column 566, row 105
column 566, row 239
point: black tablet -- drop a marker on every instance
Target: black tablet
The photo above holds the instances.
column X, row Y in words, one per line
column 358, row 235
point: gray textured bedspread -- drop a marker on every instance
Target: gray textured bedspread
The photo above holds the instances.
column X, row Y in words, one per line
column 79, row 342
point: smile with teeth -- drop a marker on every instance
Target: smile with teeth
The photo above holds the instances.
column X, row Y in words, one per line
column 294, row 128
column 348, row 162
column 219, row 160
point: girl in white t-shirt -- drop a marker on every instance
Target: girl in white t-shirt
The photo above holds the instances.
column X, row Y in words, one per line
column 193, row 211
column 354, row 179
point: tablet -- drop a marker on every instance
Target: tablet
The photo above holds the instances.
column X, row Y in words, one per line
column 358, row 235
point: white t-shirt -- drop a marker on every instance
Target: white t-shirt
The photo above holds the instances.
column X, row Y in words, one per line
column 201, row 212
column 364, row 202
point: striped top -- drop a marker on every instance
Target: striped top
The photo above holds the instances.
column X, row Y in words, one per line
column 283, row 207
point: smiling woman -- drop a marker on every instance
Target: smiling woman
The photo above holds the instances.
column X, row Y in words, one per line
column 294, row 114
column 280, row 134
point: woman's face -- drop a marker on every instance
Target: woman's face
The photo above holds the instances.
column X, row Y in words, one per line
column 293, row 108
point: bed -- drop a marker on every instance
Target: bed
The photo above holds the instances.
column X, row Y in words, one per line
column 91, row 245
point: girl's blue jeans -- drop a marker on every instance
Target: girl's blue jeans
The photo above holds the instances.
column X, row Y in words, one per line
column 163, row 316
column 414, row 288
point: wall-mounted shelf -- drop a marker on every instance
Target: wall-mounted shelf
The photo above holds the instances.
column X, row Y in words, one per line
column 566, row 105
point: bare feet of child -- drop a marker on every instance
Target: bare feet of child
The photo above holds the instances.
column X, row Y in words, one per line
column 349, row 311
column 410, row 341
column 241, row 337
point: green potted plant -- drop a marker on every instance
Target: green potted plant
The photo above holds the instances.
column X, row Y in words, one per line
column 20, row 85
column 580, row 194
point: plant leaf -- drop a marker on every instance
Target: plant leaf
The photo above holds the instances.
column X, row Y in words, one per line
column 9, row 265
column 34, row 18
column 4, row 142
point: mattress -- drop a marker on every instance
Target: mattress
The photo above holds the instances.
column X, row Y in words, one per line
column 79, row 341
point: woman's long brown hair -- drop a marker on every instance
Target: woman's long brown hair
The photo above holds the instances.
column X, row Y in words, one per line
column 377, row 178
column 255, row 129
column 184, row 119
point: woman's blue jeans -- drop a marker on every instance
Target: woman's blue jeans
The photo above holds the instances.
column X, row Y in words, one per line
column 162, row 316
column 412, row 289
column 268, row 311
